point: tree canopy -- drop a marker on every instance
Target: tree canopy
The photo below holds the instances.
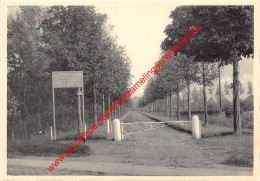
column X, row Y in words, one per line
column 62, row 38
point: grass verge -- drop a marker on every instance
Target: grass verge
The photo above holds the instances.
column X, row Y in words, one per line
column 208, row 131
column 235, row 161
column 42, row 147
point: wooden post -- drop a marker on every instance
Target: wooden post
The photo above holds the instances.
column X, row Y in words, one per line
column 53, row 107
column 94, row 103
column 80, row 122
column 83, row 107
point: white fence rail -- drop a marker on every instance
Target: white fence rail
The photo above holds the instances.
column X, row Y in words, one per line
column 119, row 129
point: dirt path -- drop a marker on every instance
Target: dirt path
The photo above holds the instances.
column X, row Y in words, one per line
column 163, row 149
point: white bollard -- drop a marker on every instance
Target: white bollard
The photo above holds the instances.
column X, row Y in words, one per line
column 117, row 130
column 85, row 127
column 196, row 127
column 108, row 127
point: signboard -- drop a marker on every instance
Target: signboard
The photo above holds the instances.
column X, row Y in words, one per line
column 67, row 79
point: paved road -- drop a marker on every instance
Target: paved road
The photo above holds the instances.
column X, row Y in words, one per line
column 94, row 168
column 162, row 151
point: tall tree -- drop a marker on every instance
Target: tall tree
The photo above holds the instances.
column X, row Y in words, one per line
column 219, row 95
column 27, row 79
column 189, row 72
column 227, row 39
column 77, row 38
column 172, row 79
column 208, row 72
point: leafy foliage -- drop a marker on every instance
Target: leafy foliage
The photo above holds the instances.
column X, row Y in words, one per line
column 57, row 38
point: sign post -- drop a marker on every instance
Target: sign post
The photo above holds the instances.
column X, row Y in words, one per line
column 67, row 79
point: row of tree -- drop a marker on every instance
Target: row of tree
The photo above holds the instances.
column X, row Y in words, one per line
column 168, row 106
column 42, row 40
column 225, row 37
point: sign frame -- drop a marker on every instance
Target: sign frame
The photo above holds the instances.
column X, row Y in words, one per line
column 66, row 80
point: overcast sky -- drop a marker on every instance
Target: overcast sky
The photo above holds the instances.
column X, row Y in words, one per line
column 139, row 26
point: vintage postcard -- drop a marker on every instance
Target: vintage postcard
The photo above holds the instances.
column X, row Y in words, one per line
column 130, row 90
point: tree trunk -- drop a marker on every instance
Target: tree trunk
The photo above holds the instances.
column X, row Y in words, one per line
column 94, row 103
column 156, row 106
column 108, row 105
column 183, row 100
column 165, row 111
column 38, row 114
column 103, row 103
column 116, row 110
column 157, row 103
column 205, row 95
column 25, row 116
column 189, row 109
column 236, row 102
column 160, row 104
column 219, row 82
column 178, row 102
column 119, row 111
column 25, row 129
column 170, row 104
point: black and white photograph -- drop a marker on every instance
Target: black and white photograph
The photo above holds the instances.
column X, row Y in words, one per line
column 131, row 88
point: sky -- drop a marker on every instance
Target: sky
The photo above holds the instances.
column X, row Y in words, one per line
column 140, row 27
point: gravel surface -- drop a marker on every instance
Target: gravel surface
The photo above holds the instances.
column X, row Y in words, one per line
column 162, row 147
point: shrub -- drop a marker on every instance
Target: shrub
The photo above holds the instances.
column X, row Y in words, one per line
column 247, row 104
column 213, row 106
column 247, row 119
